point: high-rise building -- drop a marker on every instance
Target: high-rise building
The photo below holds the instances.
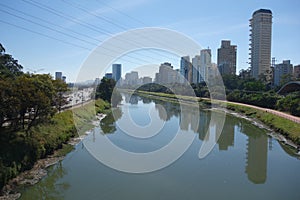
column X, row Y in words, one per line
column 227, row 58
column 166, row 74
column 260, row 43
column 297, row 72
column 283, row 72
column 186, row 68
column 205, row 63
column 58, row 75
column 116, row 72
column 131, row 78
column 196, row 69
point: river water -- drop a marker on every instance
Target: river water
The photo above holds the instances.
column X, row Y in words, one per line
column 244, row 164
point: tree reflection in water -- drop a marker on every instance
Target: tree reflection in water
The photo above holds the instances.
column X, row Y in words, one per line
column 50, row 187
column 108, row 124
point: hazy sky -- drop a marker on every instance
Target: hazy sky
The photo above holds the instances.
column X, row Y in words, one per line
column 58, row 35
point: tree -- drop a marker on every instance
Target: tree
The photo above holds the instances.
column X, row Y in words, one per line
column 60, row 88
column 105, row 90
column 9, row 67
column 35, row 94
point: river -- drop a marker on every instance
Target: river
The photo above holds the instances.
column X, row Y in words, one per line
column 244, row 163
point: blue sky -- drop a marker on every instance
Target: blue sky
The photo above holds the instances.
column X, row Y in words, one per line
column 206, row 22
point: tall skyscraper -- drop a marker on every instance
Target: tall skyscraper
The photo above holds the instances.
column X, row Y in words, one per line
column 196, row 68
column 260, row 43
column 186, row 68
column 205, row 63
column 227, row 58
column 116, row 72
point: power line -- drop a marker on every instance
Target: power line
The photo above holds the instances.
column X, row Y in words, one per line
column 62, row 41
column 42, row 34
column 49, row 22
column 123, row 13
column 66, row 34
column 71, row 18
column 113, row 23
column 46, row 27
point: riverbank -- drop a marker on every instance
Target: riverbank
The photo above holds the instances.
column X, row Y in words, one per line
column 46, row 145
column 285, row 126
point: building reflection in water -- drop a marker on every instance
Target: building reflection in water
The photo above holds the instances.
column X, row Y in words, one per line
column 257, row 155
column 226, row 138
column 257, row 147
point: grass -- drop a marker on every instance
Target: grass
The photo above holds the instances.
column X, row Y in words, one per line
column 19, row 150
column 66, row 148
column 288, row 128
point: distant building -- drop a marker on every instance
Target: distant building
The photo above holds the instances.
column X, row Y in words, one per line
column 146, row 80
column 196, row 68
column 212, row 71
column 205, row 63
column 227, row 58
column 283, row 72
column 108, row 75
column 64, row 79
column 297, row 72
column 186, row 68
column 97, row 81
column 131, row 78
column 116, row 72
column 166, row 74
column 260, row 43
column 58, row 75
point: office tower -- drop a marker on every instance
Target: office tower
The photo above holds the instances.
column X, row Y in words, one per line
column 283, row 72
column 227, row 58
column 116, row 72
column 205, row 63
column 196, row 69
column 186, row 69
column 131, row 78
column 166, row 74
column 297, row 72
column 58, row 75
column 260, row 44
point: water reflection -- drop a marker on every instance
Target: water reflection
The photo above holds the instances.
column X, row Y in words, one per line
column 51, row 187
column 257, row 153
column 108, row 124
column 257, row 148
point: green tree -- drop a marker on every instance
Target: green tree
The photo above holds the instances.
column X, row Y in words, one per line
column 105, row 90
column 36, row 95
column 9, row 67
column 60, row 99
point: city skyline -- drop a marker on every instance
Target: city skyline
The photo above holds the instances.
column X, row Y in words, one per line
column 205, row 24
